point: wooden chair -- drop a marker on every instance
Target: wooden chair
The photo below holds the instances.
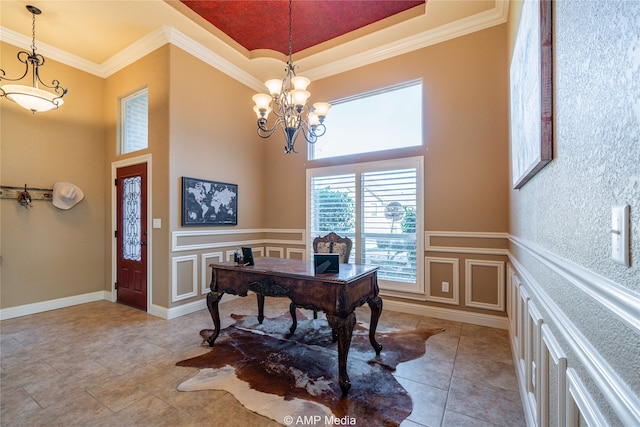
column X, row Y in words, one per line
column 331, row 243
column 334, row 244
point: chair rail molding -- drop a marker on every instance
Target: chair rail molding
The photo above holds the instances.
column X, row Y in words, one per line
column 620, row 301
column 176, row 246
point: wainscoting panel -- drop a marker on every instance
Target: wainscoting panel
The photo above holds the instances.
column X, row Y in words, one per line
column 438, row 270
column 177, row 271
column 532, row 358
column 257, row 250
column 293, row 253
column 581, row 409
column 513, row 296
column 467, row 242
column 274, row 252
column 205, row 270
column 480, row 267
column 523, row 314
column 552, row 392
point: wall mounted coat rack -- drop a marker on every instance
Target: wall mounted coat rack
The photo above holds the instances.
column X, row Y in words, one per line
column 24, row 195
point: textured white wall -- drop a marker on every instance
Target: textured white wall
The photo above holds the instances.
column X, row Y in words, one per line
column 566, row 208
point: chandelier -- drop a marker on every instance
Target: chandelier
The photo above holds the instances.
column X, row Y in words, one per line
column 289, row 97
column 32, row 97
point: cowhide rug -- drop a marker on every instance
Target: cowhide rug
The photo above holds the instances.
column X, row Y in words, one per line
column 295, row 380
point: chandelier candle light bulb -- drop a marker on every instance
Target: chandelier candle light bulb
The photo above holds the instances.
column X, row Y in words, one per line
column 289, row 97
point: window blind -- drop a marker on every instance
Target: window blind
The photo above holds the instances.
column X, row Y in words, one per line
column 376, row 209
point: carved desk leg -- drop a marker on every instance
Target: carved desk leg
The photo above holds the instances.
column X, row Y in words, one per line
column 294, row 318
column 213, row 298
column 343, row 327
column 375, row 304
column 260, row 308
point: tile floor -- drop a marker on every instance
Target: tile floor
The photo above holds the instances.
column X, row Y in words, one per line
column 104, row 364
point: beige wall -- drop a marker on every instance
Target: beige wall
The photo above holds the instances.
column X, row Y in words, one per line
column 153, row 71
column 201, row 125
column 213, row 138
column 466, row 134
column 48, row 253
column 465, row 139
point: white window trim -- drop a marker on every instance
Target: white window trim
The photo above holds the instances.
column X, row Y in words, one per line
column 121, row 119
column 407, row 290
column 371, row 93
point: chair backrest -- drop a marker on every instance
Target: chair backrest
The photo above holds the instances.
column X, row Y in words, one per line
column 332, row 243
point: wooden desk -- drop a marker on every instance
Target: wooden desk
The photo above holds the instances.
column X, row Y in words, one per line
column 337, row 295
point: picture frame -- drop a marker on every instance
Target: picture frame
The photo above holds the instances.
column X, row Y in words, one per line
column 531, row 93
column 208, row 203
column 247, row 256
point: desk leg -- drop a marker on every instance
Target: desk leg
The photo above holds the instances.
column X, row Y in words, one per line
column 294, row 318
column 376, row 309
column 343, row 327
column 260, row 308
column 213, row 298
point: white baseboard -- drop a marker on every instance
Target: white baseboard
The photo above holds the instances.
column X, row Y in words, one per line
column 54, row 304
column 156, row 310
column 181, row 310
column 447, row 314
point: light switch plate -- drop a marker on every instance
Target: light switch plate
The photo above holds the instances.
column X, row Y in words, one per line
column 620, row 234
column 157, row 223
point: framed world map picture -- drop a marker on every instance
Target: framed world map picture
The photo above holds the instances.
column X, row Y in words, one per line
column 209, row 202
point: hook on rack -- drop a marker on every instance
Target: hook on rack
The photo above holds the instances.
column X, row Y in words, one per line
column 24, row 198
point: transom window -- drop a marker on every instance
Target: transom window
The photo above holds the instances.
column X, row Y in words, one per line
column 134, row 121
column 384, row 119
column 378, row 205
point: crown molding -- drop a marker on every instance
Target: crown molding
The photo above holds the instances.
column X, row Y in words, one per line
column 167, row 34
column 50, row 52
column 133, row 53
column 496, row 16
column 187, row 44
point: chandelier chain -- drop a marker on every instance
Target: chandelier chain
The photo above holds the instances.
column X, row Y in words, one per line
column 290, row 29
column 33, row 32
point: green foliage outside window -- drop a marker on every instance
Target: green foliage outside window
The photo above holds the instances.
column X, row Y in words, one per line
column 337, row 212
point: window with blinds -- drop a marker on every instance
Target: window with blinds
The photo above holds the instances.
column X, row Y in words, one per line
column 376, row 205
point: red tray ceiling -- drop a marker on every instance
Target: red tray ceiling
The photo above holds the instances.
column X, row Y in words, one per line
column 265, row 24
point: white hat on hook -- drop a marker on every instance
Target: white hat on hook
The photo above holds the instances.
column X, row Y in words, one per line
column 66, row 195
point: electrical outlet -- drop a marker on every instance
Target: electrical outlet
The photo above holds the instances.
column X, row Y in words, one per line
column 445, row 286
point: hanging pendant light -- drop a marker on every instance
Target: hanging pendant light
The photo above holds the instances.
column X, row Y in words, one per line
column 32, row 97
column 289, row 97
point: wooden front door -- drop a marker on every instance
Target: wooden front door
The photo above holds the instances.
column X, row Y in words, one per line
column 131, row 235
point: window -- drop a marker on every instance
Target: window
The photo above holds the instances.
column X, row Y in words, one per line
column 378, row 205
column 134, row 123
column 382, row 120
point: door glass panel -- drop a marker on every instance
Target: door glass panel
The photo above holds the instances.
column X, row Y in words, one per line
column 132, row 229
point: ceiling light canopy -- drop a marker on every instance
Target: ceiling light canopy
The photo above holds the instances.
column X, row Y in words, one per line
column 289, row 97
column 32, row 97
